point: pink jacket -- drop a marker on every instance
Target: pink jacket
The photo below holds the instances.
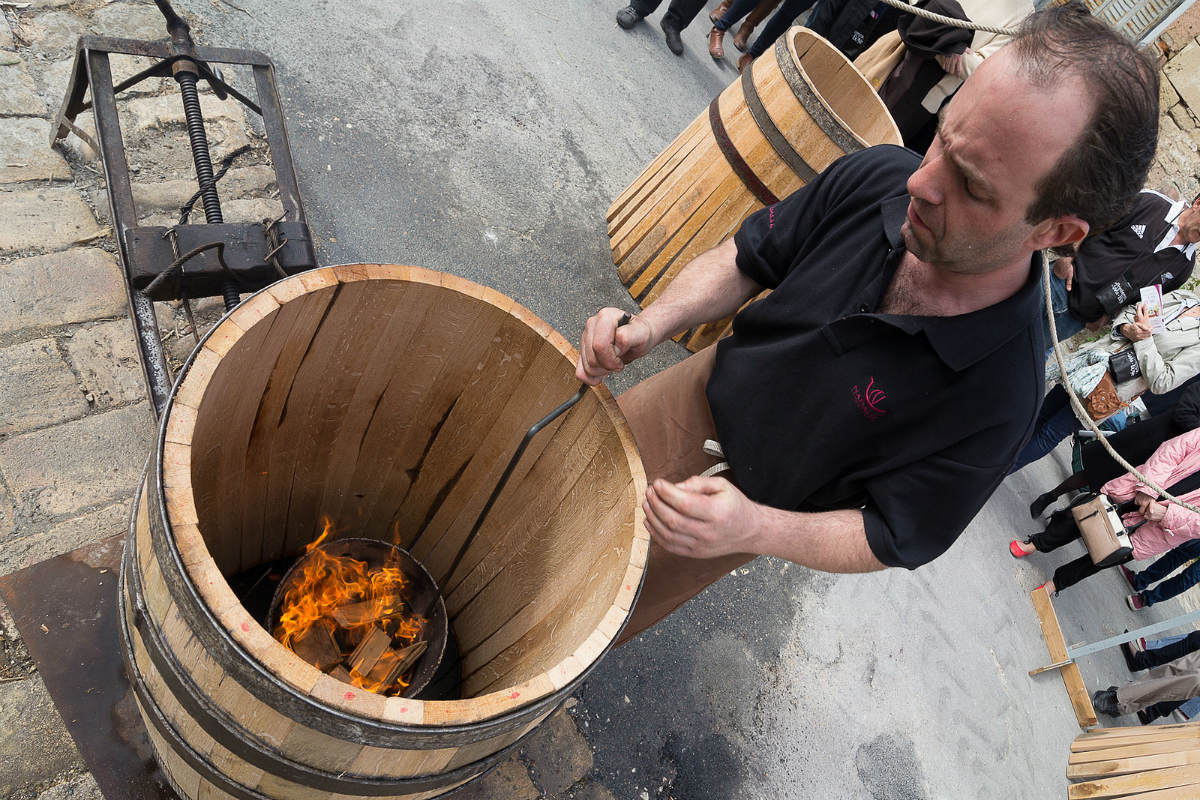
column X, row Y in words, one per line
column 1174, row 460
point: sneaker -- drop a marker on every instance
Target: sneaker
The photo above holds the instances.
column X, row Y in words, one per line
column 674, row 40
column 628, row 16
column 1135, row 602
column 1129, row 575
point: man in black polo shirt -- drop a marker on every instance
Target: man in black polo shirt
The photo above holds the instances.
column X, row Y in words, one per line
column 870, row 405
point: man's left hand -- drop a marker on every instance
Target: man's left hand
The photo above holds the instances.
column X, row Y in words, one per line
column 701, row 517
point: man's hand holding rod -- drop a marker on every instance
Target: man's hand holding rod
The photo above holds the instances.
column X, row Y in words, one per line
column 710, row 517
column 708, row 288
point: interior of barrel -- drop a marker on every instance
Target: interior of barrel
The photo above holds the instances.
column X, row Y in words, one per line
column 843, row 89
column 390, row 408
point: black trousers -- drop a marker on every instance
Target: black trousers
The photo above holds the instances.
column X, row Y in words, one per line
column 680, row 13
column 1061, row 529
column 1149, row 659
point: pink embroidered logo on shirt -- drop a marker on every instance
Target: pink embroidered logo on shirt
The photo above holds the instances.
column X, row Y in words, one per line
column 770, row 217
column 868, row 401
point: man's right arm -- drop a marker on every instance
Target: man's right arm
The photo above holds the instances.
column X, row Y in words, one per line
column 710, row 287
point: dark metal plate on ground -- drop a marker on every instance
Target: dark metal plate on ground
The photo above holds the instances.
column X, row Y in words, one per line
column 78, row 655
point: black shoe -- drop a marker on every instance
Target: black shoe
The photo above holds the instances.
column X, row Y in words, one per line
column 1131, row 651
column 674, row 40
column 628, row 16
column 1040, row 504
column 1105, row 701
column 1146, row 717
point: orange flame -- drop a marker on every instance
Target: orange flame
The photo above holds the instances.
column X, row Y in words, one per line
column 329, row 584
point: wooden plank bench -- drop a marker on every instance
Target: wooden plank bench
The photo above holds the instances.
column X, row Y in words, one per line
column 1153, row 762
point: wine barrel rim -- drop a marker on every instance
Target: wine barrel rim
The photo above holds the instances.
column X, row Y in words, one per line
column 504, row 703
column 799, row 33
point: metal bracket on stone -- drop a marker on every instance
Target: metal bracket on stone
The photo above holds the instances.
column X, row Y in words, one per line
column 254, row 254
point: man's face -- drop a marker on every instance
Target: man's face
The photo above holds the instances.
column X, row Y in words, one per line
column 997, row 138
column 1189, row 222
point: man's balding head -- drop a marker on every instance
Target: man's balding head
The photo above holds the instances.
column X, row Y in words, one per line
column 1099, row 176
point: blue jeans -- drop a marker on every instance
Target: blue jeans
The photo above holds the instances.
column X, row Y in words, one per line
column 1066, row 325
column 1056, row 421
column 1170, row 561
column 736, row 10
column 779, row 22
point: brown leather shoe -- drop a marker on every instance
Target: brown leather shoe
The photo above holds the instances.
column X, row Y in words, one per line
column 744, row 62
column 720, row 10
column 741, row 39
column 716, row 48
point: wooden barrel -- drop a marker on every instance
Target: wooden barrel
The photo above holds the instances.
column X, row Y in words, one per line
column 388, row 398
column 785, row 120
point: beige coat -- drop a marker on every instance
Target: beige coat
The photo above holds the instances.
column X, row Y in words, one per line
column 878, row 61
column 1168, row 359
column 994, row 14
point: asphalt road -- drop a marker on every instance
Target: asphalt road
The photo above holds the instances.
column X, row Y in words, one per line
column 487, row 140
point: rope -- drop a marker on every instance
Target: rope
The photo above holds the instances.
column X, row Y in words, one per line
column 951, row 21
column 1077, row 406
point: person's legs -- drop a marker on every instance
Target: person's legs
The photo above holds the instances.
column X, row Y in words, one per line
column 1167, row 563
column 1076, row 481
column 1073, row 572
column 1060, row 529
column 633, row 13
column 681, row 13
column 1159, row 656
column 670, row 419
column 1065, row 324
column 645, row 7
column 761, row 11
column 737, row 10
column 1177, row 680
column 779, row 23
column 1055, row 422
column 1172, row 587
column 1163, row 709
column 720, row 10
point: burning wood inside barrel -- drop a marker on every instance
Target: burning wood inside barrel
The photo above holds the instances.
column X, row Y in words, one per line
column 351, row 620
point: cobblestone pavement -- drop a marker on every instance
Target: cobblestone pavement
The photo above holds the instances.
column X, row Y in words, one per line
column 74, row 422
column 75, row 425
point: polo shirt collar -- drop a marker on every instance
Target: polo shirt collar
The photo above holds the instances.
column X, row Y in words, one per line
column 894, row 211
column 965, row 339
column 1177, row 208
